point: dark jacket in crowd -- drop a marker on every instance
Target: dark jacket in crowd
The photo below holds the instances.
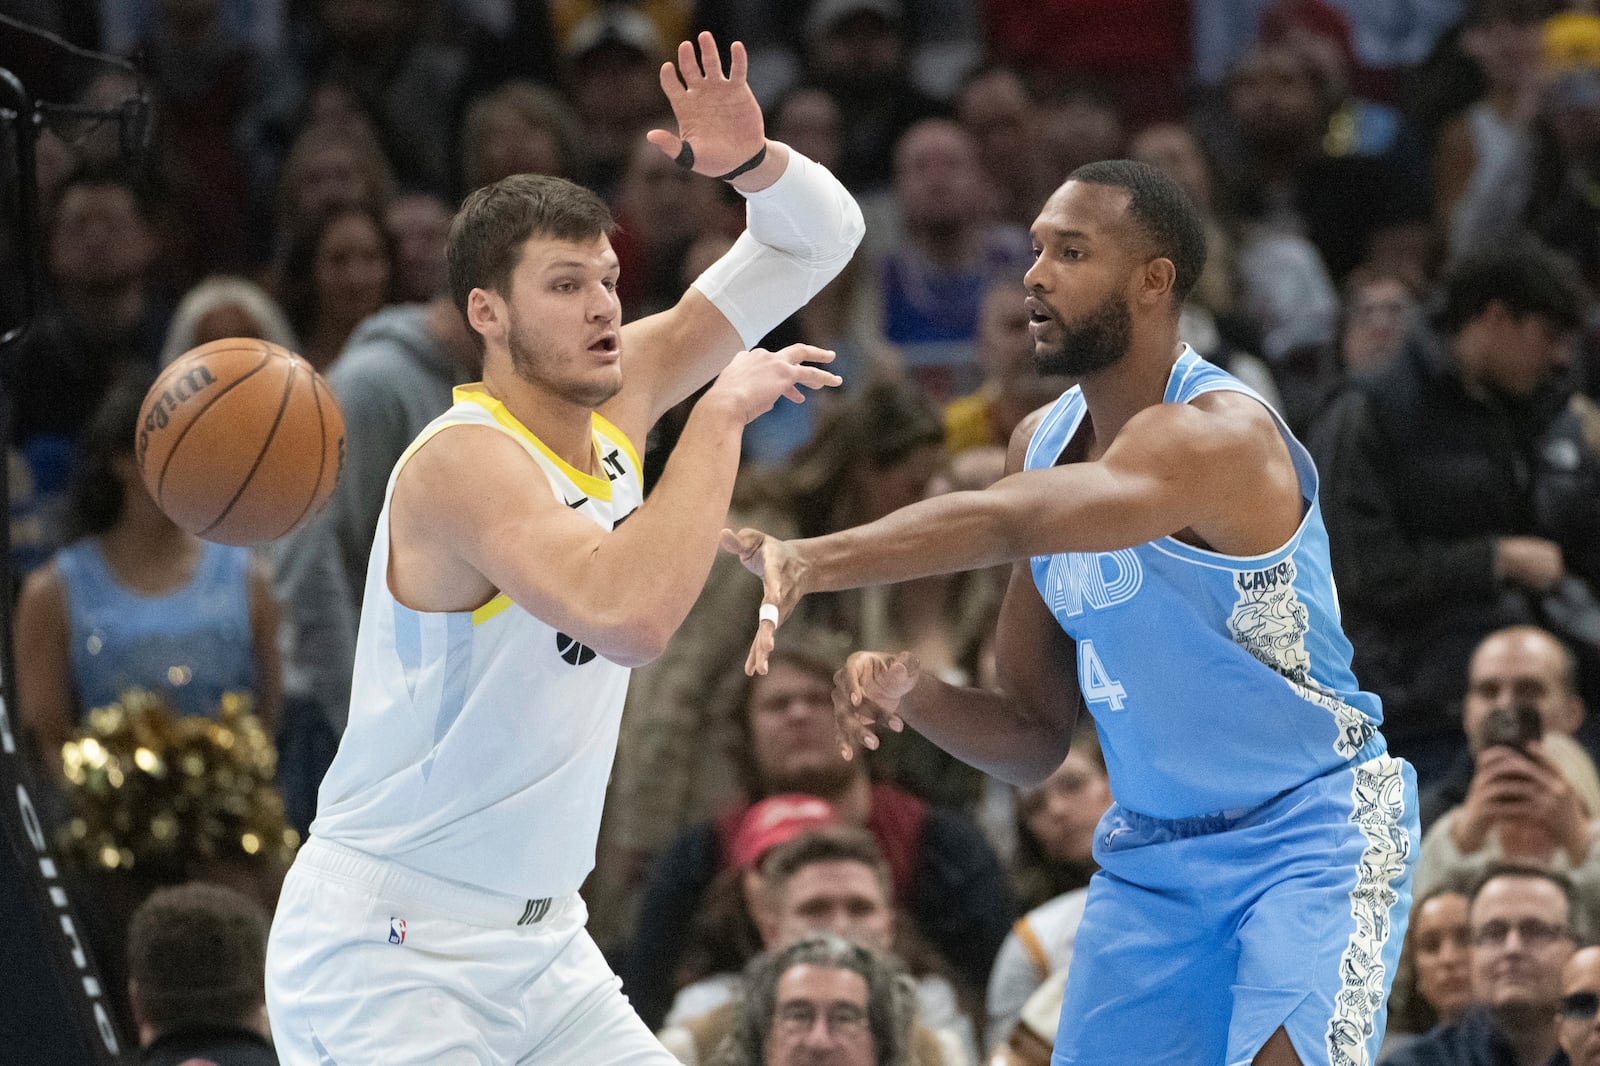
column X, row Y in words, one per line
column 1420, row 477
column 1473, row 1041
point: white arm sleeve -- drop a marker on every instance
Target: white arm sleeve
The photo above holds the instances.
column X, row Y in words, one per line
column 800, row 231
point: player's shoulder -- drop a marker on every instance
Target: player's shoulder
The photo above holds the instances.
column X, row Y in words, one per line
column 465, row 459
column 1022, row 436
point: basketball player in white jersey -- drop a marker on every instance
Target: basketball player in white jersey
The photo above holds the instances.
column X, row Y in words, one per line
column 433, row 916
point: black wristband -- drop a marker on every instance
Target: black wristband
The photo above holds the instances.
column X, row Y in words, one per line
column 747, row 166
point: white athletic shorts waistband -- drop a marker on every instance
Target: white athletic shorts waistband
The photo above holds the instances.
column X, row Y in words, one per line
column 425, row 892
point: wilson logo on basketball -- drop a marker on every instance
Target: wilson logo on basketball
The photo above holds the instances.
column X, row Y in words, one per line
column 159, row 413
column 571, row 651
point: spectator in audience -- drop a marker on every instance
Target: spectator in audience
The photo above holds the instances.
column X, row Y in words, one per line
column 995, row 106
column 822, row 999
column 134, row 602
column 519, row 128
column 1354, row 208
column 946, row 879
column 1261, row 289
column 827, row 879
column 1073, row 126
column 926, row 290
column 1051, row 870
column 103, row 323
column 1432, row 983
column 726, row 931
column 1516, row 667
column 1012, row 386
column 1521, row 923
column 417, row 224
column 225, row 306
column 206, row 83
column 1138, row 50
column 158, row 799
column 1484, row 163
column 406, row 79
column 337, row 269
column 1429, row 474
column 1566, row 153
column 196, row 955
column 612, row 67
column 1380, row 313
column 859, row 51
column 1056, row 824
column 1580, row 1008
column 1032, row 1036
column 330, row 166
column 661, row 210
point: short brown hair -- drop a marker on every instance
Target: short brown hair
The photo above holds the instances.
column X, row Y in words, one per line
column 197, row 954
column 828, row 843
column 488, row 232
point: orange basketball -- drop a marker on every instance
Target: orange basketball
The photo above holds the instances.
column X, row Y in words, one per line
column 239, row 441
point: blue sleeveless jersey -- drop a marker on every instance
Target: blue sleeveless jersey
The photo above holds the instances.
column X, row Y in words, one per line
column 1216, row 682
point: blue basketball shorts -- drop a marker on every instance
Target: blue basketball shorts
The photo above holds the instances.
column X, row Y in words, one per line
column 1202, row 936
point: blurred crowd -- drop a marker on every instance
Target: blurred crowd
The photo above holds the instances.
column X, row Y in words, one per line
column 1403, row 209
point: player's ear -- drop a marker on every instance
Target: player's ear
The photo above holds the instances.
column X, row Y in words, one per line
column 1158, row 278
column 486, row 313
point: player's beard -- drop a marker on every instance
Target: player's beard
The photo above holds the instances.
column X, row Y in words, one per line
column 1092, row 343
column 532, row 361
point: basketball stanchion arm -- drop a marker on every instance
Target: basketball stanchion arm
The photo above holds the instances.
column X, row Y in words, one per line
column 63, row 933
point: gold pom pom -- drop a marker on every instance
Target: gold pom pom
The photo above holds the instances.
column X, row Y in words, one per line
column 152, row 791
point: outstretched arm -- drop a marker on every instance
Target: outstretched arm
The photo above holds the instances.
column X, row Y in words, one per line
column 1018, row 731
column 1217, row 466
column 802, row 226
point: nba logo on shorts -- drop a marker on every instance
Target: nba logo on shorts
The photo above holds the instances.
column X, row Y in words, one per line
column 397, row 930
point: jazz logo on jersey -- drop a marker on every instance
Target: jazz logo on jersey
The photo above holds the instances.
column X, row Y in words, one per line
column 571, row 651
column 397, row 930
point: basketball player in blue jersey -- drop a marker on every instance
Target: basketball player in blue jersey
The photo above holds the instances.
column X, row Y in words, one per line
column 433, row 915
column 1171, row 575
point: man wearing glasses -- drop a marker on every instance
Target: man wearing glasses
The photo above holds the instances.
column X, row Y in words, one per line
column 1520, row 925
column 1579, row 1028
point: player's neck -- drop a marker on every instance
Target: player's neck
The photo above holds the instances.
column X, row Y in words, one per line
column 564, row 427
column 1116, row 394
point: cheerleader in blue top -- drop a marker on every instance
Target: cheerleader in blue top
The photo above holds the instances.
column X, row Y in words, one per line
column 1170, row 575
column 133, row 601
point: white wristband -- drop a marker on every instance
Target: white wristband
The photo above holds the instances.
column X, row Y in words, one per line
column 768, row 613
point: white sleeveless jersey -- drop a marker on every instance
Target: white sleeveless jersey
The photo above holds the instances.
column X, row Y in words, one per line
column 480, row 742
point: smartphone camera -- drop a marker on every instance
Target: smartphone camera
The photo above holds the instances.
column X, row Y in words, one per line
column 1512, row 726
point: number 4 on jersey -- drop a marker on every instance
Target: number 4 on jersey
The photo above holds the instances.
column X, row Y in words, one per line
column 1096, row 685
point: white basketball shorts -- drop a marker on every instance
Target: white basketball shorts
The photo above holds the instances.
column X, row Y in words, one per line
column 371, row 962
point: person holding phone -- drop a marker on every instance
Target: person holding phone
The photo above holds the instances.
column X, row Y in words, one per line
column 1534, row 792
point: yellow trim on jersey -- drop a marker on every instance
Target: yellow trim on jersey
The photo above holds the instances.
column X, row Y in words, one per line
column 598, row 487
column 610, row 431
column 490, row 609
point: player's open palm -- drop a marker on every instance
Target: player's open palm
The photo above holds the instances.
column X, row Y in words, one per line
column 782, row 572
column 718, row 115
column 867, row 692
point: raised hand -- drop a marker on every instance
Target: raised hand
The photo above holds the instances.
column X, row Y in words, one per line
column 717, row 113
column 867, row 692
